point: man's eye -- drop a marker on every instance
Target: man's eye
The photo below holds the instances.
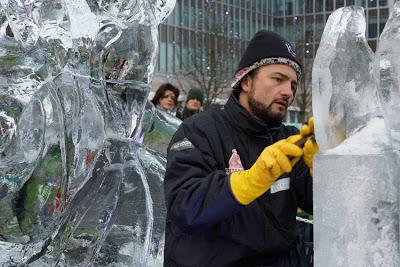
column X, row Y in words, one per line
column 278, row 79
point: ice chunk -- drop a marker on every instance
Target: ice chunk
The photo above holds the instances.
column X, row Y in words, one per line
column 369, row 140
column 387, row 70
column 355, row 174
column 355, row 211
column 344, row 92
column 20, row 16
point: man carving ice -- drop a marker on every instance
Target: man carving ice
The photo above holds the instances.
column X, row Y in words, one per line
column 245, row 217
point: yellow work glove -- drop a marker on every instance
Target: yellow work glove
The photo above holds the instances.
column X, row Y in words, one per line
column 274, row 161
column 311, row 146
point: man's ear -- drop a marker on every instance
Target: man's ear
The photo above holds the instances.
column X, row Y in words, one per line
column 245, row 83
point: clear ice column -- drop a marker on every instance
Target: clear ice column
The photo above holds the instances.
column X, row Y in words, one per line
column 387, row 70
column 355, row 193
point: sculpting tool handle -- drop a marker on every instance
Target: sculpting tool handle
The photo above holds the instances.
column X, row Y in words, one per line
column 302, row 141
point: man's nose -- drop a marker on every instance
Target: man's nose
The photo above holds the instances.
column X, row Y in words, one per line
column 287, row 89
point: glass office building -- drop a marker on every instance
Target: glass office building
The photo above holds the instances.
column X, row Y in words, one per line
column 300, row 21
column 187, row 28
column 295, row 19
column 307, row 18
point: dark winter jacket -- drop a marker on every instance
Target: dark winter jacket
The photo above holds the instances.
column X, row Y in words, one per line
column 184, row 113
column 206, row 225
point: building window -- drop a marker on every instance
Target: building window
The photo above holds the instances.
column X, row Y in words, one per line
column 339, row 3
column 193, row 16
column 383, row 2
column 372, row 24
column 299, row 29
column 372, row 3
column 269, row 8
column 328, row 5
column 372, row 30
column 319, row 6
column 291, row 29
column 243, row 22
column 185, row 15
column 298, row 7
column 278, row 8
column 289, row 7
column 319, row 26
column 278, row 26
column 309, row 6
column 236, row 18
column 163, row 57
column 360, row 3
column 255, row 24
column 309, row 29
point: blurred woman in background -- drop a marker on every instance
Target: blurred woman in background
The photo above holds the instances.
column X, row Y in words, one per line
column 166, row 97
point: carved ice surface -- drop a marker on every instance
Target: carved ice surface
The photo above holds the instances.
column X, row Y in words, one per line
column 356, row 173
column 344, row 92
column 364, row 142
column 355, row 211
column 387, row 70
column 77, row 185
column 159, row 127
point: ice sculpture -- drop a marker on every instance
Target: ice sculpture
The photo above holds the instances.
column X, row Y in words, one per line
column 77, row 187
column 158, row 128
column 355, row 181
column 387, row 71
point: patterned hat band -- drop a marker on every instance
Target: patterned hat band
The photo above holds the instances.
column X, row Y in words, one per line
column 266, row 61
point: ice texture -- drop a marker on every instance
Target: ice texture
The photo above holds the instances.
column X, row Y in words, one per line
column 356, row 173
column 158, row 128
column 387, row 71
column 355, row 211
column 344, row 92
column 78, row 185
column 372, row 139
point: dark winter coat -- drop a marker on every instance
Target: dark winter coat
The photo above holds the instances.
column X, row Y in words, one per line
column 184, row 113
column 206, row 225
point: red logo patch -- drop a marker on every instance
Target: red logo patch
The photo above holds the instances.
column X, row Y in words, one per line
column 235, row 164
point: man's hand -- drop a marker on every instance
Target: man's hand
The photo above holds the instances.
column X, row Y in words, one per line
column 311, row 146
column 274, row 161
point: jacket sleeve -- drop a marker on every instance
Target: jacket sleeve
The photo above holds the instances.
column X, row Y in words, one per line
column 197, row 193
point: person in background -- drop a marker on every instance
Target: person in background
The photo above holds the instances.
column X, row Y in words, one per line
column 194, row 102
column 235, row 176
column 166, row 97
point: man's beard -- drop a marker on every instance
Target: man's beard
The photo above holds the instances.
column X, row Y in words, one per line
column 264, row 112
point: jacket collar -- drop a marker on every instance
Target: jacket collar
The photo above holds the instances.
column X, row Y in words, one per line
column 242, row 119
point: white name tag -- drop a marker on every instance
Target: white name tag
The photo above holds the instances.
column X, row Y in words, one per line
column 280, row 185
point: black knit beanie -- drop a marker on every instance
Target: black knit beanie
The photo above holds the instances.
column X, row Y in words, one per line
column 195, row 94
column 266, row 48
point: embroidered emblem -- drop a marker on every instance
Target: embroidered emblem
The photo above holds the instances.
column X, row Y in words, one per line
column 290, row 49
column 241, row 72
column 235, row 164
column 280, row 185
column 182, row 145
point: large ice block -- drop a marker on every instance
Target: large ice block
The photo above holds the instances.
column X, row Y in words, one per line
column 356, row 217
column 355, row 211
